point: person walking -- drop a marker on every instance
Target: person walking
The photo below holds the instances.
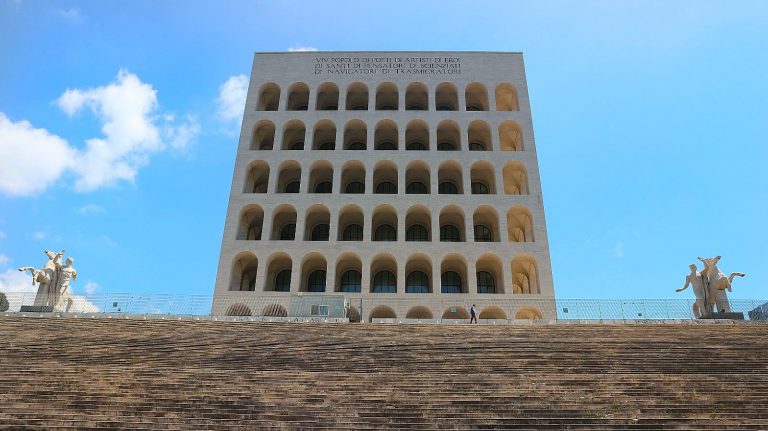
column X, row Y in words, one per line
column 472, row 314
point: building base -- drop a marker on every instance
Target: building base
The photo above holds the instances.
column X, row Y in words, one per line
column 36, row 309
column 724, row 315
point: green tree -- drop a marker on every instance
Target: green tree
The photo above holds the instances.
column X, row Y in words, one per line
column 3, row 302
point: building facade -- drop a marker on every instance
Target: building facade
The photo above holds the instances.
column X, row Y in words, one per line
column 406, row 182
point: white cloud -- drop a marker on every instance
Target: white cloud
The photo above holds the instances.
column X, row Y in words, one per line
column 299, row 48
column 17, row 287
column 31, row 159
column 39, row 235
column 3, row 235
column 130, row 134
column 14, row 281
column 179, row 137
column 91, row 287
column 4, row 260
column 91, row 209
column 231, row 100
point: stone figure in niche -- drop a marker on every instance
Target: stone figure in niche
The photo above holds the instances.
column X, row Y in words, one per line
column 709, row 287
column 53, row 280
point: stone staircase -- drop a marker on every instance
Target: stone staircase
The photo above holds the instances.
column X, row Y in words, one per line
column 75, row 373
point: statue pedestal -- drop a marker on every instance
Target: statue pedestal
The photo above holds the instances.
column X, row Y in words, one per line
column 36, row 309
column 724, row 315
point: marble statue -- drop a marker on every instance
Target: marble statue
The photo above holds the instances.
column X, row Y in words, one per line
column 53, row 280
column 68, row 273
column 696, row 280
column 709, row 286
column 718, row 283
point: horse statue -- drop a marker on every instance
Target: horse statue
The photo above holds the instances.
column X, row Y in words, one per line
column 48, row 277
column 718, row 283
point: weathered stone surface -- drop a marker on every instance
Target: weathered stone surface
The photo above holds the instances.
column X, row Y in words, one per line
column 162, row 374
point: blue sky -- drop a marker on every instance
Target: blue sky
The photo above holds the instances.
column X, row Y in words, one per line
column 651, row 123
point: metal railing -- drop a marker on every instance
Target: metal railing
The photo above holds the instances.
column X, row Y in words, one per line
column 561, row 309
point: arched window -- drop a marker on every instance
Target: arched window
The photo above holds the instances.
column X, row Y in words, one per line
column 292, row 187
column 386, row 145
column 297, row 146
column 288, row 232
column 316, row 224
column 476, row 146
column 323, row 187
column 387, row 97
column 355, row 187
column 416, row 98
column 316, row 281
column 385, row 135
column 328, row 97
column 386, row 188
column 486, row 283
column 357, row 97
column 450, row 282
column 353, row 232
column 416, row 188
column 476, row 97
column 356, row 146
column 320, row 232
column 351, row 281
column 385, row 232
column 447, row 188
column 446, row 97
column 283, row 281
column 244, row 273
column 251, row 221
column 327, row 145
column 449, row 233
column 479, row 188
column 254, row 232
column 416, row 146
column 483, row 233
column 506, row 97
column 417, row 232
column 445, row 146
column 298, row 97
column 417, row 282
column 269, row 96
column 263, row 137
column 384, row 282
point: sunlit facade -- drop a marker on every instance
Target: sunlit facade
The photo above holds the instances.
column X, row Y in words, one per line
column 405, row 181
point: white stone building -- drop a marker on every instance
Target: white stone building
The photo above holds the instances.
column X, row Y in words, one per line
column 405, row 181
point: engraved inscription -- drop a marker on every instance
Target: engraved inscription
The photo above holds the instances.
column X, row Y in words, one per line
column 387, row 66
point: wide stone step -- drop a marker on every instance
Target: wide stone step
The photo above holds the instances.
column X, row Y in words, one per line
column 177, row 374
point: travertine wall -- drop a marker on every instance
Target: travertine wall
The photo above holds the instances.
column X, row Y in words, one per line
column 517, row 260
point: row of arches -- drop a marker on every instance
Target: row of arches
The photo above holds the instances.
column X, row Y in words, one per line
column 387, row 97
column 447, row 136
column 419, row 178
column 490, row 312
column 419, row 274
column 384, row 224
column 416, row 312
